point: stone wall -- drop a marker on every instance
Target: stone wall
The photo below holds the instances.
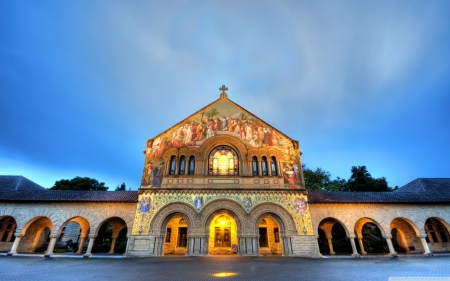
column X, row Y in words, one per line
column 408, row 218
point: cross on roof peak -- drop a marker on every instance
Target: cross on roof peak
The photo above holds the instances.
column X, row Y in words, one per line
column 223, row 95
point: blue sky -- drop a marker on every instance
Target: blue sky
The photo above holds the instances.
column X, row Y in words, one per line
column 84, row 84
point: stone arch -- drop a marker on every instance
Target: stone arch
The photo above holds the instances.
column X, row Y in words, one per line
column 411, row 223
column 348, row 221
column 24, row 221
column 189, row 151
column 10, row 212
column 236, row 211
column 423, row 217
column 45, row 222
column 276, row 153
column 83, row 222
column 283, row 218
column 218, row 140
column 170, row 152
column 362, row 221
column 330, row 242
column 34, row 234
column 405, row 236
column 101, row 218
column 347, row 232
column 160, row 219
column 117, row 224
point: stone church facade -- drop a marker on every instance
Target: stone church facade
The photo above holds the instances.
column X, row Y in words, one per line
column 223, row 181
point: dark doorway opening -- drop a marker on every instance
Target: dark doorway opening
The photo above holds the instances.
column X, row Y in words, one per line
column 182, row 237
column 263, row 242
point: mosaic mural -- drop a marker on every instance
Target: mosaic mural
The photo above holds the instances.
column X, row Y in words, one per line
column 295, row 204
column 221, row 118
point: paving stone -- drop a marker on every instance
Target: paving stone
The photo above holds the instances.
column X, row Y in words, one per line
column 233, row 268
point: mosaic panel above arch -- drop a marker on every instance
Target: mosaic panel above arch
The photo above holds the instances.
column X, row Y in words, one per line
column 295, row 203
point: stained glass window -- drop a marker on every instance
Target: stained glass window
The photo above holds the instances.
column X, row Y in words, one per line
column 273, row 166
column 182, row 165
column 191, row 165
column 172, row 165
column 255, row 165
column 223, row 161
column 264, row 166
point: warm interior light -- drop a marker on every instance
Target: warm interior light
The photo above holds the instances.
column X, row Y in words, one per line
column 225, row 274
column 222, row 222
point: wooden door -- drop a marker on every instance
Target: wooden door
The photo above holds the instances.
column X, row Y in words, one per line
column 222, row 237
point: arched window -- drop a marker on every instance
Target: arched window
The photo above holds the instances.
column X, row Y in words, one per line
column 436, row 231
column 223, row 161
column 182, row 165
column 255, row 166
column 172, row 165
column 273, row 166
column 264, row 166
column 7, row 228
column 191, row 165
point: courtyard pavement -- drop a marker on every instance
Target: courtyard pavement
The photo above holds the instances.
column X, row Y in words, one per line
column 222, row 268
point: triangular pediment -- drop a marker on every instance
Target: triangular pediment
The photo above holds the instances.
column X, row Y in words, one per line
column 223, row 117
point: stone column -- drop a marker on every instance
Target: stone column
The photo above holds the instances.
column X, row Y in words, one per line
column 113, row 245
column 392, row 251
column 255, row 242
column 361, row 245
column 206, row 246
column 15, row 244
column 89, row 248
column 80, row 246
column 425, row 245
column 330, row 244
column 352, row 242
column 51, row 245
column 318, row 247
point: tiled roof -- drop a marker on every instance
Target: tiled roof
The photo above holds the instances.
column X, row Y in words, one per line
column 69, row 196
column 441, row 185
column 418, row 191
column 14, row 183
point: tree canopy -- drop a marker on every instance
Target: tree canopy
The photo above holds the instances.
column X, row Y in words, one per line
column 79, row 183
column 360, row 180
column 123, row 186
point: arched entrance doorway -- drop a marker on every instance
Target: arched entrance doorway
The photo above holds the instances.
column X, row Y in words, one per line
column 175, row 240
column 269, row 237
column 223, row 235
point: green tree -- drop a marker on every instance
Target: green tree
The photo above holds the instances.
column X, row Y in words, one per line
column 320, row 180
column 121, row 187
column 79, row 183
column 361, row 180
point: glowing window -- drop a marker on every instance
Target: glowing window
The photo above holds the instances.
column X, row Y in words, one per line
column 223, row 161
column 223, row 220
